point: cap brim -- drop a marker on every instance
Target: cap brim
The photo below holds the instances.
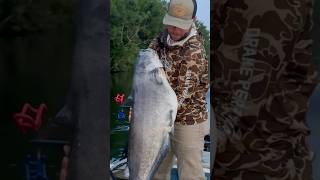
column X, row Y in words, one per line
column 177, row 22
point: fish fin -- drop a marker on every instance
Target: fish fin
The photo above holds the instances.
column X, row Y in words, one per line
column 157, row 77
column 172, row 117
column 161, row 155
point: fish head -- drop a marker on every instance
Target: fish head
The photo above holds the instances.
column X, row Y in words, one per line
column 147, row 61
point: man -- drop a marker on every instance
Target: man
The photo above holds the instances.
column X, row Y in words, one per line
column 262, row 78
column 180, row 47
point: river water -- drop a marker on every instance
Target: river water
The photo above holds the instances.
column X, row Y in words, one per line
column 120, row 84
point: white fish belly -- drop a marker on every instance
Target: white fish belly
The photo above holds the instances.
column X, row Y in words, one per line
column 154, row 111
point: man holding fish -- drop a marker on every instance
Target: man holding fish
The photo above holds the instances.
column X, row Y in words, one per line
column 181, row 52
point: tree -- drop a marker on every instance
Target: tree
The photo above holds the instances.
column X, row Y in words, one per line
column 25, row 16
column 206, row 36
column 87, row 101
column 134, row 24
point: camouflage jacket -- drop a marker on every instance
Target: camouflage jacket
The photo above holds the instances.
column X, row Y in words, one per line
column 262, row 76
column 187, row 71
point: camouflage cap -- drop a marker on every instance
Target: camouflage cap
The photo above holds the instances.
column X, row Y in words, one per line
column 180, row 13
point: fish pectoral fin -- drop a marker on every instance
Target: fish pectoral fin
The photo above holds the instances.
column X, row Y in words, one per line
column 171, row 118
column 157, row 76
column 161, row 155
column 169, row 129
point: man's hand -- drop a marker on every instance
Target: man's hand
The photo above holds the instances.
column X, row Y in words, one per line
column 65, row 163
column 130, row 113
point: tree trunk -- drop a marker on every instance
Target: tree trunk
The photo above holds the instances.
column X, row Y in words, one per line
column 88, row 97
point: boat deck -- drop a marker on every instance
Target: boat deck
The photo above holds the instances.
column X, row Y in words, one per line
column 119, row 168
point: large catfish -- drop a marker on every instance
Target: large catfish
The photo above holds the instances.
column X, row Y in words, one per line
column 154, row 111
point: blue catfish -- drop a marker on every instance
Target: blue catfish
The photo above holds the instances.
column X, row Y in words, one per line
column 154, row 111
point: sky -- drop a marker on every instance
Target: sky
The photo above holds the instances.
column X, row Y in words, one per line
column 203, row 12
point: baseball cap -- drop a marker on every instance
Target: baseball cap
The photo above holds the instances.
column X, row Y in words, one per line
column 180, row 13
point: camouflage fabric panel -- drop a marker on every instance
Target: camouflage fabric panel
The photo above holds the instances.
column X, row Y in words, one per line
column 262, row 76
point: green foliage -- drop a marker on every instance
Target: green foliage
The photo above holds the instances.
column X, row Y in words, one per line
column 26, row 16
column 206, row 36
column 134, row 23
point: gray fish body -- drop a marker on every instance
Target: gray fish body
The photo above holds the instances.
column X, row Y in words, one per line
column 154, row 111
